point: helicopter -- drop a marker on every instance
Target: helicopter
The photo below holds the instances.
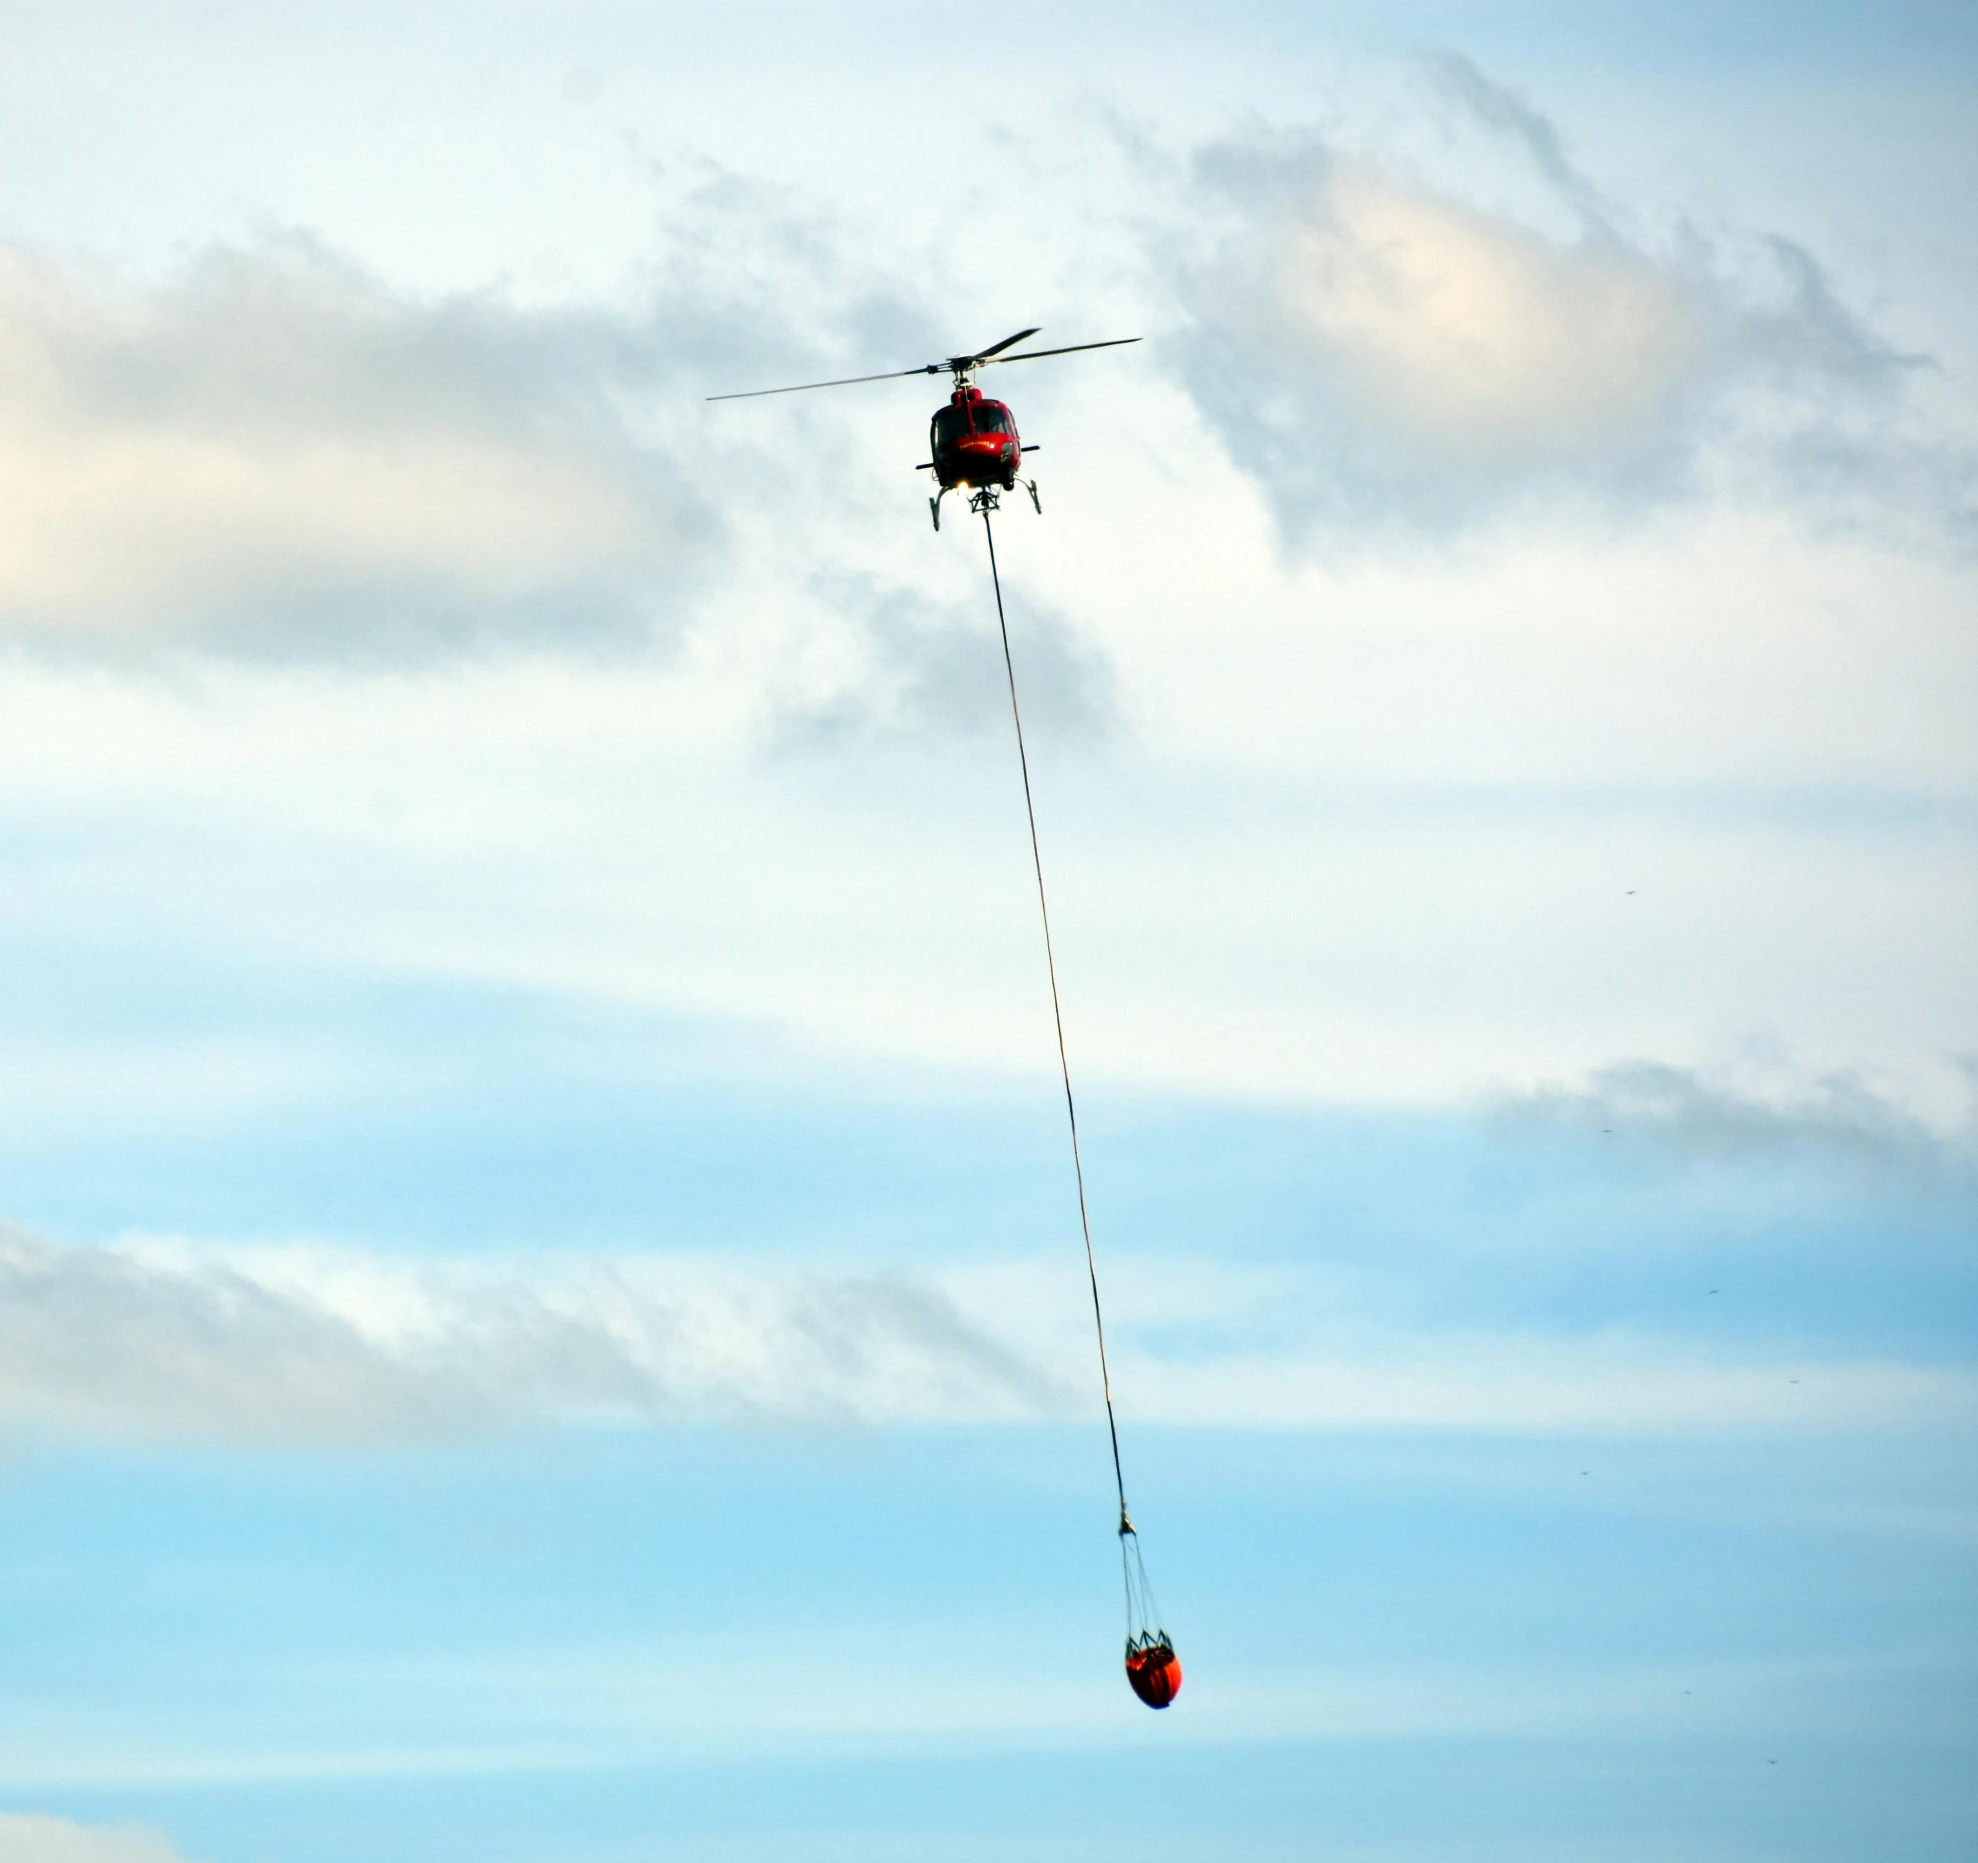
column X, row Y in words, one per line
column 974, row 441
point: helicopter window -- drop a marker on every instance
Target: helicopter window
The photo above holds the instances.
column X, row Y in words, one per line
column 990, row 420
column 950, row 423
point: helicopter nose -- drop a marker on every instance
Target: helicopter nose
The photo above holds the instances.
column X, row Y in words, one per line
column 981, row 458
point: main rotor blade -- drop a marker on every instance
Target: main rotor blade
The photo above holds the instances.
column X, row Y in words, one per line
column 983, row 355
column 1031, row 355
column 982, row 359
column 843, row 381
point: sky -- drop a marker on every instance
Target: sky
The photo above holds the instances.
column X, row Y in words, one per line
column 542, row 1312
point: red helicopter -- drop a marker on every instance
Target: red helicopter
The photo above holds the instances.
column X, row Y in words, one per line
column 974, row 440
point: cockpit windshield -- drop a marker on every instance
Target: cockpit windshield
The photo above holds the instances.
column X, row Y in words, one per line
column 990, row 419
column 950, row 423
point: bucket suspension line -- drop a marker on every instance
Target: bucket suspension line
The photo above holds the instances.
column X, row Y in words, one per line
column 1064, row 1061
column 1153, row 1671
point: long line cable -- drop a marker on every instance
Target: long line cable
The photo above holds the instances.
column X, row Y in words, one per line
column 1058, row 1018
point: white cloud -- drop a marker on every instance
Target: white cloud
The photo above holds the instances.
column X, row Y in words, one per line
column 320, row 1346
column 1472, row 338
column 28, row 1838
column 1381, row 350
column 1361, row 829
column 1388, row 837
column 294, row 1345
column 274, row 452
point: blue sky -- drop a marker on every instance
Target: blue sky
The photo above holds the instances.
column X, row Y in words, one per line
column 541, row 1310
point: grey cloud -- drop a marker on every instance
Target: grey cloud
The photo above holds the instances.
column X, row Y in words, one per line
column 1504, row 110
column 756, row 285
column 342, row 1349
column 1385, row 356
column 1839, row 1117
column 926, row 669
column 93, row 1342
column 1814, row 333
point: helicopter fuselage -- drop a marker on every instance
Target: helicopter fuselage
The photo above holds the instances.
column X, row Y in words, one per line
column 974, row 443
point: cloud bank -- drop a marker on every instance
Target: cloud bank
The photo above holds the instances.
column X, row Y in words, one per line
column 1384, row 352
column 272, row 452
column 343, row 1348
column 1705, row 1114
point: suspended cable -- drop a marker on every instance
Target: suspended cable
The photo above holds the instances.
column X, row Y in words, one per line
column 1152, row 1668
column 1058, row 1018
